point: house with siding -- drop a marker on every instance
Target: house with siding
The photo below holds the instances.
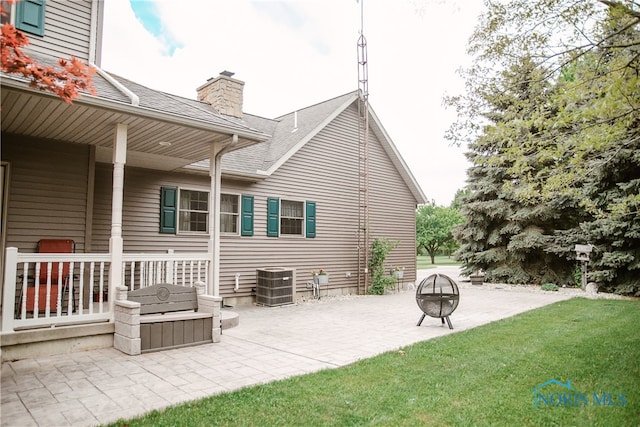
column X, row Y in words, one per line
column 155, row 188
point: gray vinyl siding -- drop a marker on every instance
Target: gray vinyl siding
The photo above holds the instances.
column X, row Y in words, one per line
column 67, row 29
column 325, row 171
column 47, row 191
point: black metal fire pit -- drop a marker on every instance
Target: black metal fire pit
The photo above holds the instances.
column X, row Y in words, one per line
column 437, row 296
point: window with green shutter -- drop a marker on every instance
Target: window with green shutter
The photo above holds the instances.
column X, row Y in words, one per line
column 273, row 216
column 30, row 16
column 246, row 228
column 310, row 220
column 168, row 209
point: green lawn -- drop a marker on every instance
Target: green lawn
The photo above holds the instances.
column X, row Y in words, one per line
column 424, row 261
column 484, row 376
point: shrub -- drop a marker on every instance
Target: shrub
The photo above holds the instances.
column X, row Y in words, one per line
column 380, row 248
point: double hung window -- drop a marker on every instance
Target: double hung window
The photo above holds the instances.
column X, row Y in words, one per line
column 187, row 211
column 193, row 213
column 291, row 218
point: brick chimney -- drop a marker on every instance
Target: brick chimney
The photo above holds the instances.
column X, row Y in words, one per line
column 223, row 93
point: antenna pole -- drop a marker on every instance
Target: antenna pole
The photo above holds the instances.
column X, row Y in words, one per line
column 363, row 159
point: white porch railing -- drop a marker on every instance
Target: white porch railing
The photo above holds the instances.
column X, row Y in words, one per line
column 185, row 269
column 47, row 290
column 44, row 289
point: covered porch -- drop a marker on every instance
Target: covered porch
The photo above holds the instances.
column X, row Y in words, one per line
column 72, row 293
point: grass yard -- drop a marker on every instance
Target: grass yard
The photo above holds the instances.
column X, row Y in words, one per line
column 424, row 261
column 483, row 376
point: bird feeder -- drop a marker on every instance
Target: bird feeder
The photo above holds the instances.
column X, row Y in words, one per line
column 583, row 251
column 583, row 254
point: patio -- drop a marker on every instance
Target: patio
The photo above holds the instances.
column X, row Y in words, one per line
column 271, row 343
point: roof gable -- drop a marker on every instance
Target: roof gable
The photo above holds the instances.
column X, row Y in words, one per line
column 292, row 131
column 288, row 133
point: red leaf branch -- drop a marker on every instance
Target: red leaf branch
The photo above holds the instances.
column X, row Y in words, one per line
column 67, row 82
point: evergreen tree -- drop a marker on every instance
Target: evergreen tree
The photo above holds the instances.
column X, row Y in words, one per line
column 508, row 226
column 555, row 153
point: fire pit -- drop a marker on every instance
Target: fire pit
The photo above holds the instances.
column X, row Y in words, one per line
column 437, row 296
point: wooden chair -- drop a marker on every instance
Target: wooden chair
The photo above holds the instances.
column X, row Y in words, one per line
column 63, row 246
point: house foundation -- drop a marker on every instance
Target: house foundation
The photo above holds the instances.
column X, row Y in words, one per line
column 60, row 340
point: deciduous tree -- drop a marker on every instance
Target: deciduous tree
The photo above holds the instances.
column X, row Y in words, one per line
column 67, row 82
column 434, row 228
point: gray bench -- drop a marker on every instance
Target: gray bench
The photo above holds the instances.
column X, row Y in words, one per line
column 165, row 316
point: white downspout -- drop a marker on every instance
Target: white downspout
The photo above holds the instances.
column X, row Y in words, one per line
column 135, row 100
column 216, row 176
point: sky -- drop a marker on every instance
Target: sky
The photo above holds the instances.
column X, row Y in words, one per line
column 296, row 53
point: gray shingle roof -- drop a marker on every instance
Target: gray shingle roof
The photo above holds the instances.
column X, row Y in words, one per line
column 149, row 99
column 173, row 104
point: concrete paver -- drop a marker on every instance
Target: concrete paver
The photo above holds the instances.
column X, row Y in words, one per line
column 271, row 343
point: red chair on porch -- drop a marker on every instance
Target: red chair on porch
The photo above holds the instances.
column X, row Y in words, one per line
column 64, row 246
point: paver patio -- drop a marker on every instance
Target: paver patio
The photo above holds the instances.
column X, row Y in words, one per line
column 271, row 343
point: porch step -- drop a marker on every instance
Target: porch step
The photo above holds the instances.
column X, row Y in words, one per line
column 229, row 319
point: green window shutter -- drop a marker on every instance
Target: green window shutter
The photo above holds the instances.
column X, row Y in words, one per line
column 246, row 228
column 168, row 209
column 273, row 216
column 30, row 16
column 310, row 220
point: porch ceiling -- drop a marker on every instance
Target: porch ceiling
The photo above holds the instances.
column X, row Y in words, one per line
column 92, row 121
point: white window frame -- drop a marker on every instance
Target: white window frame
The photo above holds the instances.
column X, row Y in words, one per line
column 179, row 229
column 236, row 214
column 302, row 219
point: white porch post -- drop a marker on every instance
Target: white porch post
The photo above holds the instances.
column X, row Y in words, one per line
column 115, row 241
column 214, row 219
column 10, row 276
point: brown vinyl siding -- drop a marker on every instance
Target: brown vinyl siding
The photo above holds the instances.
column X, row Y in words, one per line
column 67, row 29
column 47, row 191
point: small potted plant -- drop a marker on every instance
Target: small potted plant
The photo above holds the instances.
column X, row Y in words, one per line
column 321, row 276
column 397, row 272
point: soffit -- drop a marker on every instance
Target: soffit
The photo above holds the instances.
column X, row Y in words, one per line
column 40, row 115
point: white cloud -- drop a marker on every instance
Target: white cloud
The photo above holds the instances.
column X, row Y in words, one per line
column 292, row 54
